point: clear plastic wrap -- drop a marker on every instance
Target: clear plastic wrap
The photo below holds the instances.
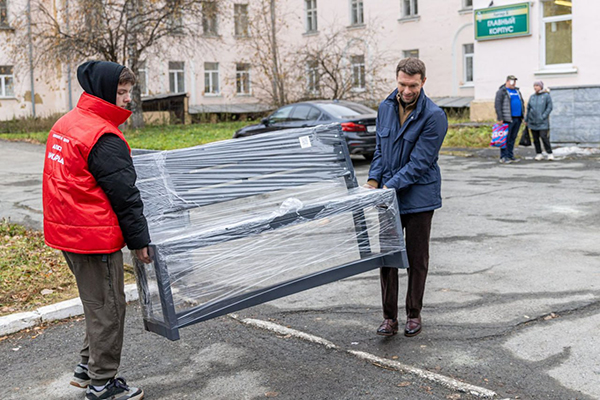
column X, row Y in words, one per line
column 239, row 222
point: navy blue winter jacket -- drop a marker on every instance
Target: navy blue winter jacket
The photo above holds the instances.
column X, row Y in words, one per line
column 406, row 158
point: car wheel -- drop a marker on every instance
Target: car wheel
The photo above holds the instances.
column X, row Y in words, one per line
column 368, row 157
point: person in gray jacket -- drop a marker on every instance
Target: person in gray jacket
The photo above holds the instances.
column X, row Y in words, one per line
column 539, row 108
column 510, row 109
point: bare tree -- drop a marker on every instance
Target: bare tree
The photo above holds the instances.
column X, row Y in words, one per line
column 338, row 63
column 274, row 59
column 121, row 31
column 345, row 64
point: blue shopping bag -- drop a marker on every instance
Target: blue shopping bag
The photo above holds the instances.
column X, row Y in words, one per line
column 499, row 135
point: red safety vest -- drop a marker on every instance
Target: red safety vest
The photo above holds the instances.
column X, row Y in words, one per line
column 77, row 214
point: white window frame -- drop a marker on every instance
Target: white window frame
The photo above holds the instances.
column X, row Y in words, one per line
column 311, row 22
column 241, row 23
column 213, row 76
column 358, row 69
column 407, row 53
column 312, row 77
column 357, row 13
column 466, row 57
column 544, row 21
column 3, row 79
column 240, row 74
column 143, row 77
column 414, row 5
column 175, row 72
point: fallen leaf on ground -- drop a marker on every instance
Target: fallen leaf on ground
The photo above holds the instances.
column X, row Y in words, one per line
column 404, row 384
column 271, row 394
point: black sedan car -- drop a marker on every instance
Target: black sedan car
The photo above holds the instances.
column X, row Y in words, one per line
column 357, row 121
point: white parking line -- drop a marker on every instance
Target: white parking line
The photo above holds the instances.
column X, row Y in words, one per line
column 282, row 330
column 431, row 376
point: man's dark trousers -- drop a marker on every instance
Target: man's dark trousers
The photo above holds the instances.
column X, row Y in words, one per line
column 417, row 230
column 513, row 132
column 101, row 287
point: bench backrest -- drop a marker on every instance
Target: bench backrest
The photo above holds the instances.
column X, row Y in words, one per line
column 178, row 180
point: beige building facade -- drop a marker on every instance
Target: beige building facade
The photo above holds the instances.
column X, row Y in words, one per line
column 228, row 70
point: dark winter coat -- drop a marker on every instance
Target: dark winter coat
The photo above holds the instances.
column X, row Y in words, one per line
column 406, row 156
column 539, row 108
column 502, row 104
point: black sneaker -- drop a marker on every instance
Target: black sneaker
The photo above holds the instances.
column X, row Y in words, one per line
column 80, row 378
column 115, row 389
column 515, row 159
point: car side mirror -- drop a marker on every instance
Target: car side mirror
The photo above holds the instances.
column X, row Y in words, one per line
column 265, row 121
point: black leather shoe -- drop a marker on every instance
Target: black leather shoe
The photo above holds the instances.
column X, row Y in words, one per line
column 413, row 327
column 389, row 327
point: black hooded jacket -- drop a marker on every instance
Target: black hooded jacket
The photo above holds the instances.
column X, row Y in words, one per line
column 109, row 161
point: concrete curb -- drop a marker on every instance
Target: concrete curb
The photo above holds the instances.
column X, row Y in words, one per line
column 65, row 309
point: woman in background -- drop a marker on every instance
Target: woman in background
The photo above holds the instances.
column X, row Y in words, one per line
column 537, row 119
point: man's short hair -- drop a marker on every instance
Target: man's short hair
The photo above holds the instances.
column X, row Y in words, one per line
column 411, row 66
column 127, row 76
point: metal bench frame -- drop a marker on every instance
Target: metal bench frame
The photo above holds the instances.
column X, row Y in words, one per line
column 173, row 320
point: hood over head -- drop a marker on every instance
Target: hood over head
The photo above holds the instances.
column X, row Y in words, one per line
column 100, row 79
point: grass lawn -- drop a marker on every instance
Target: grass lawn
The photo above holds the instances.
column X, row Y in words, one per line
column 166, row 137
column 178, row 136
column 32, row 274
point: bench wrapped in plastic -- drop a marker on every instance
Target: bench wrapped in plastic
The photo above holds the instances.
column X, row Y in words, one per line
column 241, row 222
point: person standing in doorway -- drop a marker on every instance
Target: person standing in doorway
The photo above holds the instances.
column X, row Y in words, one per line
column 539, row 108
column 92, row 208
column 410, row 132
column 510, row 109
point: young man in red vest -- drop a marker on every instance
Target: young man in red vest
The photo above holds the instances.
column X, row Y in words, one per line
column 92, row 208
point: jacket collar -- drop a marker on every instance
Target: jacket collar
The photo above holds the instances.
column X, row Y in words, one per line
column 110, row 112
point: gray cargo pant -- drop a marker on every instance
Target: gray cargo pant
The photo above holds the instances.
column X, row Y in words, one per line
column 102, row 291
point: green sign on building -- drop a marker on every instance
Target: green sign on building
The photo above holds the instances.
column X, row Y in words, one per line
column 502, row 22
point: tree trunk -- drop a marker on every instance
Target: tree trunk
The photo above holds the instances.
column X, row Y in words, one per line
column 278, row 88
column 137, row 116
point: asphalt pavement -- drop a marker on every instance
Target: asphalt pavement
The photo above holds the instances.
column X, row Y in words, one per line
column 512, row 305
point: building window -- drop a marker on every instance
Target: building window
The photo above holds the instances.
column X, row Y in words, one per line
column 240, row 17
column 358, row 72
column 209, row 18
column 142, row 78
column 467, row 4
column 242, row 78
column 468, row 54
column 3, row 13
column 557, row 32
column 7, row 88
column 312, row 76
column 410, row 8
column 356, row 12
column 411, row 53
column 311, row 15
column 175, row 22
column 211, row 78
column 176, row 77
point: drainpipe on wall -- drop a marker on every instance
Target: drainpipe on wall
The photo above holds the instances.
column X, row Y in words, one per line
column 454, row 72
column 68, row 63
column 30, row 57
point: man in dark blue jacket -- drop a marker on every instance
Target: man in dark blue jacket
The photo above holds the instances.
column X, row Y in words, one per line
column 410, row 132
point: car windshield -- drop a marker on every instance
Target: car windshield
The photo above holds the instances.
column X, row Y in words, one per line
column 346, row 110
